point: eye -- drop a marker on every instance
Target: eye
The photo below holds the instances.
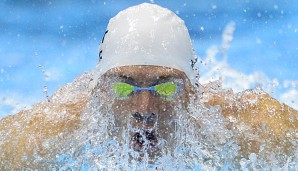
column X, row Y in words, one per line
column 166, row 89
column 122, row 89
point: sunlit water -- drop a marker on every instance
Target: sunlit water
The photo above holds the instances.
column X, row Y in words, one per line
column 202, row 141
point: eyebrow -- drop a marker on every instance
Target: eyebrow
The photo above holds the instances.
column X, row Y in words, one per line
column 126, row 78
column 162, row 79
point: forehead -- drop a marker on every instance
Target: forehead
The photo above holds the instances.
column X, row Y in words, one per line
column 145, row 73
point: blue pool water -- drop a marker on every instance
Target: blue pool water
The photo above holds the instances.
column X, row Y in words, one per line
column 49, row 43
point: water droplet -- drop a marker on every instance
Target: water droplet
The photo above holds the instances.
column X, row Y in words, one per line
column 213, row 6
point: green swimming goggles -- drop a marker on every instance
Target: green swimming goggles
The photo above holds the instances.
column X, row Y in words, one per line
column 167, row 89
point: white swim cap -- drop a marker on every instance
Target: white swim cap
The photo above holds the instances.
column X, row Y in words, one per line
column 147, row 34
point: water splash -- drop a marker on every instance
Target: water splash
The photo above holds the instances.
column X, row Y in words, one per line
column 203, row 139
column 45, row 87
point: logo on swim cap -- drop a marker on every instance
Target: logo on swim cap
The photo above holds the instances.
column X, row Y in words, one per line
column 147, row 34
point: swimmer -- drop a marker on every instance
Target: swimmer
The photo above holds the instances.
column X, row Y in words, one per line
column 146, row 75
column 148, row 71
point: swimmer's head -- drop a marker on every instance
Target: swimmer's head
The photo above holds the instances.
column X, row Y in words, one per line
column 146, row 71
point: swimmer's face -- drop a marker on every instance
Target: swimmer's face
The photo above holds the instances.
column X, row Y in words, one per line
column 148, row 115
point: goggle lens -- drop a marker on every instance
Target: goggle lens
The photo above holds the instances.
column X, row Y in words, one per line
column 122, row 89
column 166, row 89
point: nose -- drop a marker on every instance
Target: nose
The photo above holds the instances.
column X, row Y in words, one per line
column 144, row 101
column 144, row 109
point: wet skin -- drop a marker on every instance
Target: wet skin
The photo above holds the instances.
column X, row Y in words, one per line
column 150, row 115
